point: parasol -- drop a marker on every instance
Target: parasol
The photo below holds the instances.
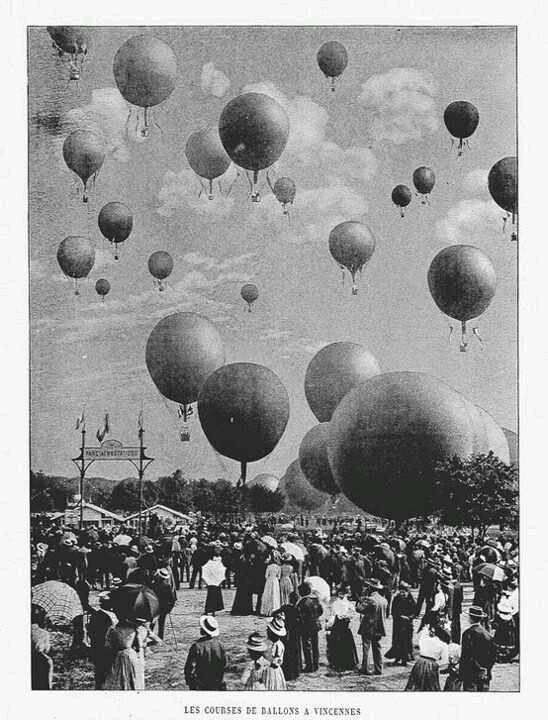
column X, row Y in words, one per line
column 320, row 588
column 213, row 572
column 122, row 540
column 295, row 550
column 59, row 601
column 269, row 540
column 135, row 601
column 490, row 571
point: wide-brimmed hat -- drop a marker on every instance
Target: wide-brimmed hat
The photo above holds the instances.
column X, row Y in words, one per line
column 149, row 549
column 504, row 608
column 163, row 573
column 238, row 546
column 116, row 581
column 67, row 541
column 403, row 585
column 375, row 584
column 256, row 642
column 277, row 625
column 209, row 625
column 287, row 557
column 476, row 612
column 447, row 573
column 104, row 596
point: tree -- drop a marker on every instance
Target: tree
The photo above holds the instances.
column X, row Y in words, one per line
column 125, row 495
column 262, row 499
column 476, row 493
column 175, row 492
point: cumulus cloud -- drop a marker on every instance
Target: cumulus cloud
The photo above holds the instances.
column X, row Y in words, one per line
column 475, row 182
column 399, row 105
column 470, row 221
column 213, row 80
column 182, row 191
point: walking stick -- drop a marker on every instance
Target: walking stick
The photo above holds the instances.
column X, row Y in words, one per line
column 173, row 631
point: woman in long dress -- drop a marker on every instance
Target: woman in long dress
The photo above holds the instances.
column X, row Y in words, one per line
column 274, row 675
column 292, row 660
column 341, row 648
column 433, row 657
column 270, row 600
column 125, row 645
column 243, row 599
column 288, row 578
column 403, row 612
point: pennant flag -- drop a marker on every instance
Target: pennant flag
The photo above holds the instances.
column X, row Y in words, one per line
column 104, row 429
column 81, row 422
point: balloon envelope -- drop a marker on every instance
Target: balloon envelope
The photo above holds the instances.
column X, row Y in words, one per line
column 462, row 280
column 83, row 153
column 145, row 70
column 332, row 59
column 160, row 264
column 299, row 491
column 71, row 39
column 461, row 119
column 401, row 195
column 513, row 445
column 333, row 372
column 76, row 256
column 181, row 352
column 206, row 155
column 102, row 287
column 115, row 222
column 503, row 183
column 314, row 460
column 285, row 190
column 351, row 244
column 386, row 437
column 424, row 179
column 496, row 441
column 270, row 482
column 254, row 129
column 243, row 409
column 249, row 293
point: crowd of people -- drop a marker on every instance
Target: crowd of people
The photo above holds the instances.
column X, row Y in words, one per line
column 302, row 583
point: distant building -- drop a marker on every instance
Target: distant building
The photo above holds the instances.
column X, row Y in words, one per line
column 165, row 514
column 93, row 515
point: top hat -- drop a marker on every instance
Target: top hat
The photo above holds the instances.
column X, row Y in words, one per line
column 209, row 625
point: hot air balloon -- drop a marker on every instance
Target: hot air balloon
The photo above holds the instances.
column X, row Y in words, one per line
column 332, row 60
column 423, row 180
column 352, row 245
column 314, row 460
column 145, row 71
column 182, row 351
column 503, row 186
column 115, row 223
column 299, row 491
column 461, row 119
column 333, row 372
column 386, row 437
column 249, row 293
column 462, row 280
column 160, row 265
column 284, row 190
column 254, row 129
column 102, row 288
column 84, row 154
column 71, row 41
column 76, row 257
column 401, row 197
column 266, row 480
column 243, row 409
column 206, row 156
column 513, row 445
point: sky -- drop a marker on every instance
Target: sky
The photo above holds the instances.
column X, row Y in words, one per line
column 346, row 151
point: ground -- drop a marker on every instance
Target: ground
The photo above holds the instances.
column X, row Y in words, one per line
column 165, row 663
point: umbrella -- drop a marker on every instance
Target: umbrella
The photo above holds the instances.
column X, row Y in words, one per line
column 122, row 540
column 213, row 572
column 269, row 540
column 60, row 602
column 491, row 571
column 320, row 588
column 295, row 550
column 135, row 601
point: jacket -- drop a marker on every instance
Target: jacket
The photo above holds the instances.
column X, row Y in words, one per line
column 373, row 612
column 205, row 665
column 478, row 654
column 309, row 612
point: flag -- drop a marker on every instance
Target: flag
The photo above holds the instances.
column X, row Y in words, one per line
column 81, row 422
column 104, row 429
column 140, row 421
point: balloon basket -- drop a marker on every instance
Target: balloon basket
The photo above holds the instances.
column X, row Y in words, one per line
column 256, row 197
column 354, row 291
column 210, row 197
column 184, row 434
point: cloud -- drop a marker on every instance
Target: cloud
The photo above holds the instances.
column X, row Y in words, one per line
column 181, row 191
column 475, row 182
column 303, row 346
column 399, row 105
column 470, row 222
column 213, row 80
column 212, row 263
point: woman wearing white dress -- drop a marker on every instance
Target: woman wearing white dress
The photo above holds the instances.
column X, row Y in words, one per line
column 274, row 675
column 433, row 657
column 270, row 600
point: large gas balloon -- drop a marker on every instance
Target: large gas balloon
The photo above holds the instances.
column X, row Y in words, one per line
column 352, row 245
column 84, row 154
column 299, row 491
column 265, row 480
column 332, row 60
column 206, row 155
column 461, row 119
column 503, row 186
column 314, row 460
column 160, row 265
column 76, row 257
column 513, row 445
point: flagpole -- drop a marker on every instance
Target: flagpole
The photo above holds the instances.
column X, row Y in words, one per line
column 141, row 473
column 82, row 474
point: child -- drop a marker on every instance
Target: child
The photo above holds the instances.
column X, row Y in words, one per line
column 505, row 631
column 274, row 675
column 253, row 675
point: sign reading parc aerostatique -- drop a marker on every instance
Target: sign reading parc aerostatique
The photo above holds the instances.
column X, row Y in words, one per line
column 111, row 450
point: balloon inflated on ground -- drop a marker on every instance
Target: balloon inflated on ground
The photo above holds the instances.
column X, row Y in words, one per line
column 265, row 480
column 388, row 434
column 181, row 353
column 503, row 186
column 333, row 372
column 76, row 257
column 84, row 154
column 462, row 281
column 332, row 60
column 299, row 491
column 243, row 409
column 160, row 266
column 461, row 120
column 254, row 130
column 145, row 71
column 352, row 245
column 314, row 460
column 513, row 445
column 115, row 223
column 206, row 156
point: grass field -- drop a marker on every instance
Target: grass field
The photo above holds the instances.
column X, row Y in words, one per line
column 165, row 663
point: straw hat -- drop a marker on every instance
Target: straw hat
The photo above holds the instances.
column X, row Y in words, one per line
column 277, row 626
column 163, row 573
column 504, row 609
column 375, row 584
column 209, row 625
column 476, row 612
column 256, row 642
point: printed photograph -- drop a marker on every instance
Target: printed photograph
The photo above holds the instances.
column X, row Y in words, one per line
column 273, row 358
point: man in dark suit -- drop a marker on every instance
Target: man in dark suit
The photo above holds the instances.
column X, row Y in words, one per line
column 478, row 653
column 456, row 610
column 99, row 623
column 430, row 576
column 309, row 611
column 372, row 627
column 358, row 569
column 206, row 662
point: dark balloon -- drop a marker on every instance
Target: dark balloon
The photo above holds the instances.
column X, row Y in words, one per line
column 352, row 245
column 249, row 293
column 115, row 223
column 243, row 409
column 76, row 256
column 84, row 154
column 332, row 59
column 314, row 460
column 386, row 437
column 69, row 38
column 284, row 190
column 461, row 119
column 145, row 71
column 503, row 184
column 181, row 352
column 206, row 155
column 333, row 372
column 299, row 491
column 423, row 180
column 160, row 265
column 401, row 197
column 102, row 288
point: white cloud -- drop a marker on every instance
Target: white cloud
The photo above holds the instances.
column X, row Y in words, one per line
column 399, row 105
column 181, row 191
column 213, row 80
column 475, row 182
column 470, row 222
column 212, row 263
column 303, row 346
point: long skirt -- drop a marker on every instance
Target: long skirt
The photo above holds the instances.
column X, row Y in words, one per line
column 341, row 648
column 453, row 683
column 424, row 676
column 286, row 588
column 292, row 662
column 505, row 640
column 126, row 672
column 402, row 641
column 214, row 599
column 274, row 678
column 270, row 600
column 243, row 600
